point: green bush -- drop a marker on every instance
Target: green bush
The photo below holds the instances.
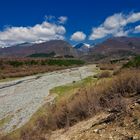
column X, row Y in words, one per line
column 36, row 55
column 15, row 63
column 65, row 62
column 31, row 62
column 133, row 63
column 56, row 62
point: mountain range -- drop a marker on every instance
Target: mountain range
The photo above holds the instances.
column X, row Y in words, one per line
column 59, row 47
column 115, row 47
column 117, row 44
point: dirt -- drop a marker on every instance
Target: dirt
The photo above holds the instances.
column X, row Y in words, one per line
column 105, row 126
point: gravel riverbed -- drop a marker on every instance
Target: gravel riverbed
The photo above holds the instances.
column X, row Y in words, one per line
column 20, row 98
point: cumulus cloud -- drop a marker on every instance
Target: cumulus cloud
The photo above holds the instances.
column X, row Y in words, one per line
column 78, row 36
column 45, row 31
column 62, row 19
column 133, row 17
column 114, row 25
column 137, row 29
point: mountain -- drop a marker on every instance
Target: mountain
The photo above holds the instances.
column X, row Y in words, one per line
column 118, row 44
column 82, row 47
column 111, row 48
column 59, row 47
column 114, row 48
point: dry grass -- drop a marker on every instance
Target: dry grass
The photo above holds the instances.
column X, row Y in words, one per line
column 106, row 95
column 19, row 67
column 103, row 74
column 107, row 66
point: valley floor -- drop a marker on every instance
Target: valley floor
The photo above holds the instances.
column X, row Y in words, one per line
column 19, row 99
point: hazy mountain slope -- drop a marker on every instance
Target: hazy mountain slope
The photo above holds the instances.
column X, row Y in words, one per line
column 60, row 47
column 114, row 45
column 117, row 47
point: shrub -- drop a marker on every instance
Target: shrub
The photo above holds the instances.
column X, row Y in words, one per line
column 107, row 66
column 31, row 62
column 38, row 55
column 107, row 95
column 15, row 63
column 104, row 74
column 127, row 83
column 65, row 62
column 133, row 63
column 116, row 72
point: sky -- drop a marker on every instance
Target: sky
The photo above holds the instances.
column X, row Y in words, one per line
column 75, row 21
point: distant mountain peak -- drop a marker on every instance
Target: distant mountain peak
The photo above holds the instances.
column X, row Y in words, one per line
column 82, row 47
column 39, row 41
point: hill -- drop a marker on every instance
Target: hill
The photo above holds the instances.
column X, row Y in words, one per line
column 59, row 47
column 116, row 47
column 118, row 44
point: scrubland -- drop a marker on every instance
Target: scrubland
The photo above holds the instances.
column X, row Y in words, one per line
column 115, row 93
column 20, row 67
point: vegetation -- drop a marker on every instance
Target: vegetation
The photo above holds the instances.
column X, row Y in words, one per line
column 48, row 55
column 69, row 89
column 114, row 61
column 29, row 66
column 107, row 66
column 103, row 74
column 133, row 63
column 5, row 120
column 65, row 62
column 68, row 56
column 84, row 99
column 36, row 55
column 15, row 63
column 31, row 62
column 85, row 103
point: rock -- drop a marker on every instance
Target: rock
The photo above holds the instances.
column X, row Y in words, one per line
column 136, row 137
column 96, row 131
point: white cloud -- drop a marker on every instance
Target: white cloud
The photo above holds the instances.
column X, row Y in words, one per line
column 78, row 36
column 62, row 19
column 114, row 25
column 133, row 17
column 45, row 31
column 137, row 29
column 115, row 21
column 121, row 33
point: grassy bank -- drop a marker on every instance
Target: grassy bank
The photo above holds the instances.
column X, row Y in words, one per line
column 69, row 89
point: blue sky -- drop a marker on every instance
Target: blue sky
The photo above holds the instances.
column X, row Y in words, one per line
column 73, row 20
